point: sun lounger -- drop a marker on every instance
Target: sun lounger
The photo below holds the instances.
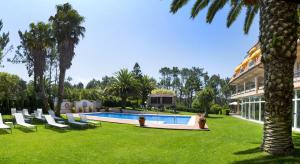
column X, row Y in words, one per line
column 84, row 119
column 72, row 121
column 39, row 115
column 13, row 111
column 51, row 122
column 51, row 112
column 26, row 113
column 3, row 126
column 21, row 122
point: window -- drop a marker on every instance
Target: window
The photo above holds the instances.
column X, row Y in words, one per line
column 293, row 114
column 155, row 100
column 252, row 113
column 167, row 100
column 256, row 111
column 262, row 117
column 247, row 110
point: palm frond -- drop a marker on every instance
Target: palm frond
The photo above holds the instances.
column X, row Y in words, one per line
column 234, row 12
column 214, row 8
column 250, row 14
column 177, row 4
column 198, row 6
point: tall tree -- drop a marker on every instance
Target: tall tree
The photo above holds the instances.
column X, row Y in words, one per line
column 67, row 27
column 4, row 39
column 278, row 40
column 138, row 76
column 33, row 52
column 137, row 71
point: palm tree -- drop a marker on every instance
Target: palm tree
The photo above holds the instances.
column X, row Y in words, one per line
column 147, row 84
column 4, row 39
column 278, row 41
column 35, row 43
column 124, row 86
column 67, row 27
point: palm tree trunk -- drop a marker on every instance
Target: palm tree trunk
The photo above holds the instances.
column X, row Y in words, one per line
column 60, row 90
column 278, row 40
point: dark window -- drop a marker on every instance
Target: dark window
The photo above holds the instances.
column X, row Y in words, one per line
column 167, row 100
column 155, row 100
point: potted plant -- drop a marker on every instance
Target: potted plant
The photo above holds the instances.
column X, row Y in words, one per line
column 202, row 121
column 73, row 110
column 90, row 109
column 80, row 109
column 142, row 121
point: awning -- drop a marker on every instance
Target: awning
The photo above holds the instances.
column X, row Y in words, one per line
column 234, row 103
column 255, row 54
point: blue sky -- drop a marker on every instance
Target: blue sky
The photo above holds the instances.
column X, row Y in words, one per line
column 122, row 32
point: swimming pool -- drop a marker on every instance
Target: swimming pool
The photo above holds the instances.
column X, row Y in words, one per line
column 153, row 118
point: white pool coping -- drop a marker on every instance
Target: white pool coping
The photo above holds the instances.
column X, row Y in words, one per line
column 192, row 124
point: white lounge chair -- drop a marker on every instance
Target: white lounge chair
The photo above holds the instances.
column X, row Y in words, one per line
column 51, row 122
column 13, row 111
column 72, row 121
column 39, row 115
column 20, row 121
column 84, row 119
column 26, row 113
column 3, row 126
column 51, row 112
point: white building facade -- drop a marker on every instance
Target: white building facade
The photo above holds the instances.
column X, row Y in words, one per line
column 248, row 81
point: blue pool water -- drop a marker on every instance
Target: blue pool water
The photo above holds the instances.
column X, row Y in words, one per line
column 149, row 117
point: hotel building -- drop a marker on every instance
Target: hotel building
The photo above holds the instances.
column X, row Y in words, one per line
column 249, row 87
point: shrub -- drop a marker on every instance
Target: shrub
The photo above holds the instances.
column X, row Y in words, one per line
column 215, row 109
column 225, row 111
column 90, row 109
column 81, row 109
column 73, row 110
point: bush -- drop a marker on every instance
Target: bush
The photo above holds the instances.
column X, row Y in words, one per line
column 225, row 111
column 90, row 109
column 81, row 109
column 73, row 110
column 215, row 109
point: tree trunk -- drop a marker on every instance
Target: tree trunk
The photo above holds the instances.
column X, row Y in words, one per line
column 60, row 90
column 278, row 40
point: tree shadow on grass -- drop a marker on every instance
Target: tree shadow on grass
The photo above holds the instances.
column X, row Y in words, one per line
column 294, row 158
column 4, row 131
column 58, row 130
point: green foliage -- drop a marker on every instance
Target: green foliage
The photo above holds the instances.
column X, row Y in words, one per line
column 162, row 92
column 203, row 99
column 4, row 39
column 216, row 5
column 225, row 111
column 73, row 110
column 216, row 108
column 12, row 91
column 124, row 86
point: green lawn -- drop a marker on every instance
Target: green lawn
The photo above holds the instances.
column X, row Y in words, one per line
column 230, row 140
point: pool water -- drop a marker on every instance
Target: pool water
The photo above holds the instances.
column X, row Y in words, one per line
column 165, row 119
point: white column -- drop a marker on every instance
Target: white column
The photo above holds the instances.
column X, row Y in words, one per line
column 256, row 84
column 244, row 87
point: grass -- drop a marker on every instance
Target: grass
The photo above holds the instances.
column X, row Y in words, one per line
column 230, row 140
